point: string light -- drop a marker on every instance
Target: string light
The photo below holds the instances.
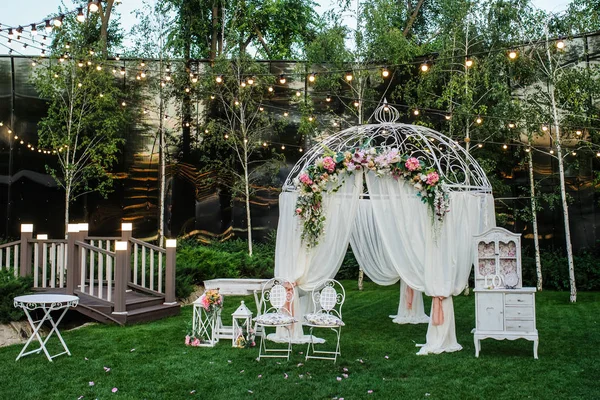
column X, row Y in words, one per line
column 425, row 67
column 468, row 62
column 226, row 136
column 511, row 125
column 187, row 89
column 356, row 103
column 143, row 74
column 513, row 54
column 264, row 144
column 544, row 128
column 99, row 67
column 285, row 114
column 270, row 89
column 479, row 120
column 118, row 57
column 349, row 76
column 219, row 79
column 311, row 119
column 504, row 146
column 560, row 44
column 300, row 150
column 58, row 21
column 243, row 84
column 298, row 93
column 48, row 27
column 80, row 17
column 385, row 72
column 93, row 6
column 574, row 153
column 142, row 63
column 236, row 102
column 551, row 151
column 261, row 109
column 282, row 79
column 312, row 77
column 328, row 98
column 527, row 150
column 479, row 145
column 11, row 35
column 416, row 112
column 282, row 147
column 250, row 81
column 122, row 71
column 578, row 132
column 212, row 97
column 448, row 117
column 195, row 78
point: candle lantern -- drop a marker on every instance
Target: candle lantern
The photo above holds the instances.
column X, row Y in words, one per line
column 243, row 332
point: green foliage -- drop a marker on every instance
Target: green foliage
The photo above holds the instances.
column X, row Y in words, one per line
column 198, row 262
column 555, row 272
column 11, row 287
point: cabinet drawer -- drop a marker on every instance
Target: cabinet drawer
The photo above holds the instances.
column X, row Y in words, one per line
column 519, row 299
column 519, row 326
column 519, row 312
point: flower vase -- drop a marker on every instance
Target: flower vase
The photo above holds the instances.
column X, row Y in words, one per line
column 206, row 325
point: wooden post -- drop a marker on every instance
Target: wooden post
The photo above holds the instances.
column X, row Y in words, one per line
column 170, row 272
column 40, row 268
column 126, row 233
column 25, row 261
column 81, row 237
column 120, row 277
column 72, row 257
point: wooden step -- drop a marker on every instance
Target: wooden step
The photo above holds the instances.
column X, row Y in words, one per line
column 143, row 302
column 152, row 313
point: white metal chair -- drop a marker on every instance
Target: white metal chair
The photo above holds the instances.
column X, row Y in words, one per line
column 277, row 296
column 328, row 298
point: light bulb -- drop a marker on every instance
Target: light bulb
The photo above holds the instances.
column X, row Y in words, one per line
column 311, row 119
column 356, row 103
column 99, row 67
column 298, row 93
column 282, row 79
column 48, row 27
column 270, row 89
column 250, row 81
column 578, row 133
column 212, row 97
column 551, row 151
column 195, row 78
column 349, row 76
column 385, row 72
column 58, row 21
column 285, row 114
column 33, row 30
column 187, row 89
column 123, row 104
column 219, row 79
column 122, row 71
column 480, row 145
column 448, row 117
column 261, row 109
column 560, row 44
column 328, row 98
column 226, row 136
column 479, row 120
column 80, row 17
column 416, row 112
column 504, row 146
column 243, row 84
column 143, row 74
column 468, row 63
column 424, row 67
column 512, row 54
column 312, row 77
column 11, row 35
column 264, row 144
column 300, row 150
column 511, row 125
column 527, row 150
column 93, row 6
column 574, row 153
column 142, row 63
column 544, row 128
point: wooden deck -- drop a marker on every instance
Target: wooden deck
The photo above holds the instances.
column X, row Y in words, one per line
column 141, row 307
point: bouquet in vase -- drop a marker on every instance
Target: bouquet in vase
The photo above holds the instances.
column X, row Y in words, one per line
column 211, row 301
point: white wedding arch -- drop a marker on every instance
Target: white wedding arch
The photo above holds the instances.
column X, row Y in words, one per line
column 392, row 233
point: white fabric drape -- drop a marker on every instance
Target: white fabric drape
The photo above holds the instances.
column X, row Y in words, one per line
column 433, row 258
column 373, row 258
column 308, row 267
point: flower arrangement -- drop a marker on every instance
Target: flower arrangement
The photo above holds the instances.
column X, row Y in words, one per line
column 211, row 301
column 323, row 176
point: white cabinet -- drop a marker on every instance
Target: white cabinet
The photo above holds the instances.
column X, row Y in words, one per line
column 498, row 255
column 505, row 314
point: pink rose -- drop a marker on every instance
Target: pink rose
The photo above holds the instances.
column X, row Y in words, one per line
column 304, row 178
column 298, row 211
column 432, row 178
column 329, row 164
column 196, row 342
column 187, row 340
column 412, row 164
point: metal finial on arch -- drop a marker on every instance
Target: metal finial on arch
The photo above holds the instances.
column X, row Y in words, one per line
column 386, row 114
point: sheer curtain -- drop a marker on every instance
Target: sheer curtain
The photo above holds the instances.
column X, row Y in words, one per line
column 373, row 258
column 434, row 258
column 307, row 267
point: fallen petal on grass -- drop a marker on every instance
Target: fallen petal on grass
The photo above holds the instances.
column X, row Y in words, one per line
column 369, row 391
column 345, row 376
column 91, row 383
column 339, row 378
column 106, row 369
column 192, row 392
column 115, row 390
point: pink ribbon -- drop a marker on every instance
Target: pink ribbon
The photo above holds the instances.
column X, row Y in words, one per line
column 289, row 305
column 437, row 312
column 409, row 294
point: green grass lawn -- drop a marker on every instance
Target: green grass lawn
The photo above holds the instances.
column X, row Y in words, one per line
column 162, row 367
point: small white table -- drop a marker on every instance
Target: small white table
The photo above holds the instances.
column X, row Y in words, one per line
column 47, row 303
column 235, row 287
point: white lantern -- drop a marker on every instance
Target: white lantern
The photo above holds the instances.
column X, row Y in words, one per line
column 243, row 332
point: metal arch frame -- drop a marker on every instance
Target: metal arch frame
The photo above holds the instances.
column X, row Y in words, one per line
column 459, row 169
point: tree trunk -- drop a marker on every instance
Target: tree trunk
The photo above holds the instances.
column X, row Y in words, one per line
column 162, row 170
column 561, row 173
column 361, row 279
column 247, row 198
column 214, row 32
column 412, row 19
column 67, row 204
column 104, row 19
column 536, row 240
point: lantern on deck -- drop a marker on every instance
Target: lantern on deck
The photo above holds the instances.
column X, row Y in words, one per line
column 243, row 332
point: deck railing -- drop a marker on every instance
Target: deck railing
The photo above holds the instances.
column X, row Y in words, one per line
column 101, row 267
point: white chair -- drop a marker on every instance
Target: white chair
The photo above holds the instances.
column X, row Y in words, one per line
column 276, row 300
column 328, row 298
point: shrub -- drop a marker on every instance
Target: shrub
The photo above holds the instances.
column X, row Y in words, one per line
column 11, row 287
column 197, row 262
